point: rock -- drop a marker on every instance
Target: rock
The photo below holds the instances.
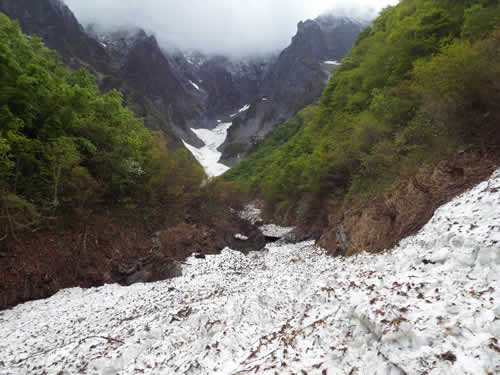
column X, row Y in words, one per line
column 271, row 239
column 294, row 80
column 157, row 270
column 255, row 239
column 296, row 236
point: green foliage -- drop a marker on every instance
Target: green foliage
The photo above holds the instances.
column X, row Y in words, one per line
column 422, row 80
column 64, row 144
column 479, row 19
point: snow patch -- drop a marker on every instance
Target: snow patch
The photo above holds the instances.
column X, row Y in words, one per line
column 194, row 85
column 244, row 108
column 331, row 62
column 241, row 110
column 208, row 156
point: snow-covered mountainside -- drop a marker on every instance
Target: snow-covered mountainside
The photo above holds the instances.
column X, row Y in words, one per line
column 208, row 156
column 429, row 306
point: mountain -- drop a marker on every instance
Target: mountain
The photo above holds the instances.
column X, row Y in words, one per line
column 177, row 90
column 134, row 64
column 54, row 22
column 404, row 125
column 145, row 75
column 296, row 79
column 224, row 84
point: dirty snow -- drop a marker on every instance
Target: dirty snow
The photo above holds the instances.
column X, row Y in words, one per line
column 208, row 156
column 253, row 214
column 430, row 306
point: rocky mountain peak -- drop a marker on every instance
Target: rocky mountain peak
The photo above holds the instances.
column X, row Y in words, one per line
column 295, row 79
column 54, row 22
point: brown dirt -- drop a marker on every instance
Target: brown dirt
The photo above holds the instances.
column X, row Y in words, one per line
column 402, row 211
column 36, row 265
column 108, row 249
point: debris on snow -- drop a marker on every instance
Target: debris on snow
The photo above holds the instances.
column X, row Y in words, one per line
column 272, row 230
column 252, row 214
column 431, row 305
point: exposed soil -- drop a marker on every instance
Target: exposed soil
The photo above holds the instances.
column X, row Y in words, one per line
column 109, row 249
column 405, row 208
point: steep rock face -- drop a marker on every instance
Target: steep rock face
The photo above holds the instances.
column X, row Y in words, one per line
column 177, row 91
column 296, row 79
column 54, row 22
column 340, row 33
column 132, row 62
column 145, row 73
column 222, row 84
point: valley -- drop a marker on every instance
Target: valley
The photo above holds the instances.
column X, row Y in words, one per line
column 250, row 188
column 429, row 305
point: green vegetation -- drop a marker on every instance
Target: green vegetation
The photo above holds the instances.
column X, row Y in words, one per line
column 65, row 148
column 421, row 82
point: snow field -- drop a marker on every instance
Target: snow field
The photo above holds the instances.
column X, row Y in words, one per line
column 429, row 306
column 208, row 156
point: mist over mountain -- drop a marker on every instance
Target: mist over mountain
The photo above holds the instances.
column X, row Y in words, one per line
column 226, row 27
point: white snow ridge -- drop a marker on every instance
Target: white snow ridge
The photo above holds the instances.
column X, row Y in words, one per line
column 430, row 306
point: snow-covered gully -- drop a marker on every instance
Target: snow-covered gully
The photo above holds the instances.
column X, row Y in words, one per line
column 429, row 306
column 208, row 156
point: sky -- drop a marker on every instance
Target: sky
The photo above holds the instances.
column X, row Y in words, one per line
column 229, row 27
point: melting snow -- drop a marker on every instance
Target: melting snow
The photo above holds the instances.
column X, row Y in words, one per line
column 194, row 85
column 244, row 108
column 241, row 110
column 208, row 156
column 430, row 306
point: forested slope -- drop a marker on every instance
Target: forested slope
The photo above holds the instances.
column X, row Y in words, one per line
column 422, row 84
column 84, row 185
column 67, row 147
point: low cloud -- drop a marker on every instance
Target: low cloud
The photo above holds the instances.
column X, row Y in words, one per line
column 230, row 27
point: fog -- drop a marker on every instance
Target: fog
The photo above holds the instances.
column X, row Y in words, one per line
column 229, row 27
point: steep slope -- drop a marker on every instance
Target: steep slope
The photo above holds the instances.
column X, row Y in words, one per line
column 144, row 73
column 403, row 125
column 296, row 79
column 140, row 71
column 430, row 306
column 75, row 164
column 54, row 22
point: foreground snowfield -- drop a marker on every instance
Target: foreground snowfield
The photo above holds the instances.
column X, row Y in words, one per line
column 430, row 306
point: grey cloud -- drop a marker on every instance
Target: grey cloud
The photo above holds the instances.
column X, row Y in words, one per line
column 231, row 27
